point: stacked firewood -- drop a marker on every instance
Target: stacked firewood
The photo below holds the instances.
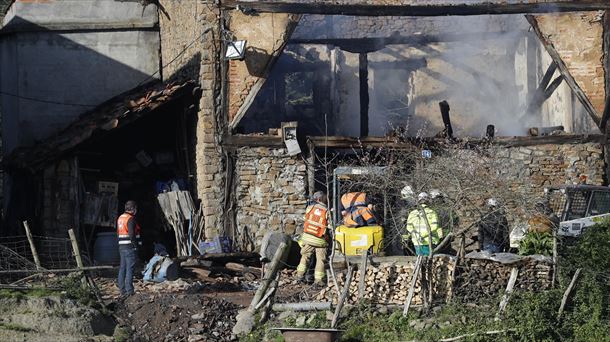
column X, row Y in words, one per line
column 390, row 283
column 480, row 279
column 472, row 281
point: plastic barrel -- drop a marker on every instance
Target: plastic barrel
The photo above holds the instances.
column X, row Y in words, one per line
column 106, row 249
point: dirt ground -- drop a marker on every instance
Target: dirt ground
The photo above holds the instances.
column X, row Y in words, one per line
column 178, row 317
column 180, row 310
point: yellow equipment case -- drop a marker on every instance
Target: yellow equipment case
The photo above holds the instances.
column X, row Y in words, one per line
column 354, row 241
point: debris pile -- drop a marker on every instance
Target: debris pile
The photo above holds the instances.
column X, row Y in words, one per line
column 179, row 317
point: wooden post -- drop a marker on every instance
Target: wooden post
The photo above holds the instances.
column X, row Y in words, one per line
column 362, row 267
column 28, row 233
column 344, row 294
column 554, row 257
column 416, row 269
column 79, row 260
column 566, row 294
column 509, row 289
column 274, row 266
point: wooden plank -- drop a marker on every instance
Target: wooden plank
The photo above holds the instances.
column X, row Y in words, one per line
column 409, row 299
column 362, row 268
column 509, row 290
column 417, row 7
column 28, row 233
column 566, row 294
column 236, row 140
column 344, row 294
column 565, row 72
column 416, row 143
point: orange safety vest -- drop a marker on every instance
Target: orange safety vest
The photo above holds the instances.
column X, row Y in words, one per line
column 316, row 220
column 358, row 217
column 353, row 199
column 123, row 229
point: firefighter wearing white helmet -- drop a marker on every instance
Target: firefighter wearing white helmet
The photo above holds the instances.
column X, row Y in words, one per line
column 417, row 226
column 493, row 228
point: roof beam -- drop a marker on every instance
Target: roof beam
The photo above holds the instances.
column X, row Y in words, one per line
column 565, row 72
column 416, row 7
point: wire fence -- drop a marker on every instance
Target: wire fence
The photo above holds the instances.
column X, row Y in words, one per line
column 53, row 253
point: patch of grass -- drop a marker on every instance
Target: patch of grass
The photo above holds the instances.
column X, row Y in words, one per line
column 14, row 327
column 22, row 294
column 74, row 289
column 121, row 334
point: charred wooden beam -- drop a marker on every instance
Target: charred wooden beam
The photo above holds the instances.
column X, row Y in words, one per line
column 373, row 44
column 448, row 131
column 565, row 72
column 552, row 87
column 416, row 7
column 364, row 94
column 490, row 132
column 537, row 131
column 537, row 99
column 416, row 143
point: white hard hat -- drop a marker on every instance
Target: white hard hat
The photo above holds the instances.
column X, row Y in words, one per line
column 492, row 202
column 407, row 192
column 423, row 196
column 434, row 193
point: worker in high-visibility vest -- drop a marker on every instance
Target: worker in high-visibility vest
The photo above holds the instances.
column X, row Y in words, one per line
column 314, row 238
column 356, row 210
column 417, row 227
column 128, row 231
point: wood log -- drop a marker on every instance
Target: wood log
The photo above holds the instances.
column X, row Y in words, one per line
column 344, row 294
column 566, row 294
column 302, row 306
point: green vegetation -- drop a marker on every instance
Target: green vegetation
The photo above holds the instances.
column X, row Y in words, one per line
column 14, row 327
column 76, row 290
column 536, row 243
column 528, row 316
column 34, row 292
column 121, row 334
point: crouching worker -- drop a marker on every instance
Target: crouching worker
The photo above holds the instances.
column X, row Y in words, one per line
column 357, row 211
column 417, row 226
column 314, row 238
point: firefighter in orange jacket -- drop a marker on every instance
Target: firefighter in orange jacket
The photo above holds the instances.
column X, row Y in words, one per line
column 356, row 210
column 128, row 231
column 313, row 239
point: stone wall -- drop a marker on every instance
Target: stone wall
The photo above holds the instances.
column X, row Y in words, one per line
column 189, row 34
column 526, row 171
column 271, row 192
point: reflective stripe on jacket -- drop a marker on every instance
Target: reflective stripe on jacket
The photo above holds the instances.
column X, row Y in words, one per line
column 123, row 229
column 353, row 199
column 316, row 222
column 418, row 230
column 359, row 217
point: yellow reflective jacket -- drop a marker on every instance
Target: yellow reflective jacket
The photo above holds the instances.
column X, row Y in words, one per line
column 417, row 229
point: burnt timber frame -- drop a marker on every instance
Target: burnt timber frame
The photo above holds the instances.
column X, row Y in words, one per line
column 565, row 72
column 236, row 141
column 417, row 7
